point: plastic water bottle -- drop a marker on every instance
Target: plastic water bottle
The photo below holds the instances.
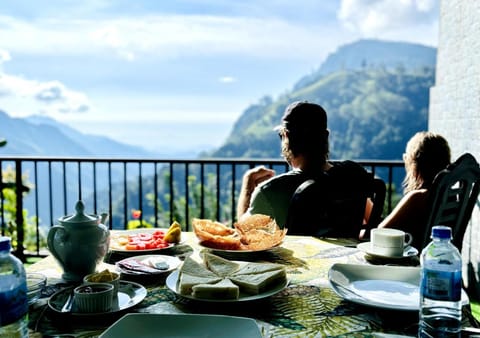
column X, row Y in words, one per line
column 441, row 287
column 13, row 294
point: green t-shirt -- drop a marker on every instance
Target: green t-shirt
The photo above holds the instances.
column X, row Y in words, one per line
column 273, row 196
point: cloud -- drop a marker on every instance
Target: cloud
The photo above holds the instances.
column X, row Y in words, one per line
column 63, row 100
column 53, row 96
column 165, row 36
column 111, row 37
column 4, row 56
column 180, row 35
column 227, row 79
column 375, row 18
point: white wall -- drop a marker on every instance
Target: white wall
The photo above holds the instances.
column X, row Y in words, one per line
column 455, row 98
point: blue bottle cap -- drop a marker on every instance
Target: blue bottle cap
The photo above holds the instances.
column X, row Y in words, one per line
column 5, row 243
column 441, row 232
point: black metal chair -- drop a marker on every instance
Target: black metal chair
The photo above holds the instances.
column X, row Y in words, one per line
column 378, row 194
column 323, row 209
column 453, row 195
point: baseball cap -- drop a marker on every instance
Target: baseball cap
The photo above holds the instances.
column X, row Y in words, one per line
column 303, row 115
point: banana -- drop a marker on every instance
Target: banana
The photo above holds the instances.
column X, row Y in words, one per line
column 174, row 233
column 174, row 225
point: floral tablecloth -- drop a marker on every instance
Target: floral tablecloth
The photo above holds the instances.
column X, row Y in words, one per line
column 308, row 307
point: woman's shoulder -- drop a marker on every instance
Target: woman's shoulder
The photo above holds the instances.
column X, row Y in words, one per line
column 416, row 195
column 414, row 200
column 409, row 210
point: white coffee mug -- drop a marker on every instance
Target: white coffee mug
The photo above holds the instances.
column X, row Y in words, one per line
column 389, row 242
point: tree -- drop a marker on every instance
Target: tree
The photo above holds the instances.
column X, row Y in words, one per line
column 8, row 198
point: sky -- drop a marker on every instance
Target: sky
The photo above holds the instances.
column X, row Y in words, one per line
column 173, row 76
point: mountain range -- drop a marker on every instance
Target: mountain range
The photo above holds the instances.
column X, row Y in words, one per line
column 375, row 92
column 373, row 107
column 43, row 136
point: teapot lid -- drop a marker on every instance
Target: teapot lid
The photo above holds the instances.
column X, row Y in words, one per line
column 80, row 216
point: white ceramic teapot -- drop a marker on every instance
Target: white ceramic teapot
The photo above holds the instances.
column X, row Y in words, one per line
column 79, row 243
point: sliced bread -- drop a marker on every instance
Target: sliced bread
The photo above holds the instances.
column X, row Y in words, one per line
column 220, row 266
column 187, row 282
column 224, row 289
column 194, row 268
column 255, row 268
column 259, row 282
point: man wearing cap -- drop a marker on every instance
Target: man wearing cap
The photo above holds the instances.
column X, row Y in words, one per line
column 304, row 137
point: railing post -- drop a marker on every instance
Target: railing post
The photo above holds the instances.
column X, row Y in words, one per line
column 19, row 215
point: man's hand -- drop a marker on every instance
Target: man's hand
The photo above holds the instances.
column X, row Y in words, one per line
column 251, row 179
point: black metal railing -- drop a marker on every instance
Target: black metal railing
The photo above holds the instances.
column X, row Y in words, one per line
column 162, row 189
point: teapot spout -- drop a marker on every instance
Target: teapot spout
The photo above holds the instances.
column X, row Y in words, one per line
column 104, row 218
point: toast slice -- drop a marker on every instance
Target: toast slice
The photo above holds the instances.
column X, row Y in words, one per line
column 194, row 268
column 224, row 289
column 187, row 282
column 220, row 266
column 256, row 268
column 256, row 283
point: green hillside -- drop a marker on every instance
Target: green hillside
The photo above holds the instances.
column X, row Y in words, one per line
column 372, row 113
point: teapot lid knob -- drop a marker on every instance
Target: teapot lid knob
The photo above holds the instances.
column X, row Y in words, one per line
column 79, row 207
column 80, row 216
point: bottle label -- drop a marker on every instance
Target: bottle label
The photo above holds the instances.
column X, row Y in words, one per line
column 13, row 304
column 442, row 285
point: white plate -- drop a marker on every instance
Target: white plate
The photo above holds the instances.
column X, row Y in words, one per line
column 366, row 247
column 172, row 262
column 387, row 287
column 172, row 281
column 129, row 295
column 237, row 254
column 146, row 325
column 133, row 232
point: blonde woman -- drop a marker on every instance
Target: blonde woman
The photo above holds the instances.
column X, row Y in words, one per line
column 426, row 154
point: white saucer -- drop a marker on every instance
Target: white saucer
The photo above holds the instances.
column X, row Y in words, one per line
column 366, row 247
column 129, row 295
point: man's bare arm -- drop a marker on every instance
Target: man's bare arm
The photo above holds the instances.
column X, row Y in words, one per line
column 251, row 179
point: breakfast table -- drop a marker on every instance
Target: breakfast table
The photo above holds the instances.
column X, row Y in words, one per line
column 307, row 307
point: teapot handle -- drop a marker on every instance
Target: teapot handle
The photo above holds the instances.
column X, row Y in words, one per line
column 51, row 241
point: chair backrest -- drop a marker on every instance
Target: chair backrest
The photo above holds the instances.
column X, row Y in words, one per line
column 320, row 209
column 378, row 193
column 453, row 195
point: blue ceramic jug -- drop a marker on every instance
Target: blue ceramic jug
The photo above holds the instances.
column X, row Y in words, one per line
column 79, row 243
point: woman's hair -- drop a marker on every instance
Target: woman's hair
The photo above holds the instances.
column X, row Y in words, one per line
column 426, row 155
